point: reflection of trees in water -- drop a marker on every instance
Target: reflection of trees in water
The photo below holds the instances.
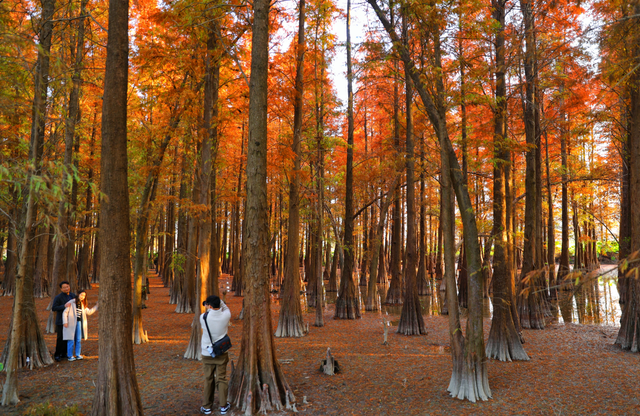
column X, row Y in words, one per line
column 587, row 298
column 589, row 301
column 610, row 306
column 565, row 301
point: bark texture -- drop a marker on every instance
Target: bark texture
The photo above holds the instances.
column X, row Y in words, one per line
column 531, row 305
column 204, row 221
column 347, row 303
column 116, row 385
column 504, row 341
column 290, row 322
column 25, row 337
column 411, row 320
column 258, row 382
column 629, row 334
column 372, row 303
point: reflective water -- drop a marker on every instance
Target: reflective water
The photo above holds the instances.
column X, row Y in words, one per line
column 595, row 301
column 592, row 301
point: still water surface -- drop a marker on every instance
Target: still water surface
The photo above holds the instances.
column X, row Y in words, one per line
column 594, row 301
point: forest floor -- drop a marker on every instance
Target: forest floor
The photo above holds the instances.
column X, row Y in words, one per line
column 574, row 369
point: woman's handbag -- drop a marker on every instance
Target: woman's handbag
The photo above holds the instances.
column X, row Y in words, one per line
column 220, row 346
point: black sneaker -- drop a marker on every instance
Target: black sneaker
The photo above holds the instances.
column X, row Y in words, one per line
column 205, row 411
column 225, row 409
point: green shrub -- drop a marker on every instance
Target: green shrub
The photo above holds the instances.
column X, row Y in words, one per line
column 47, row 409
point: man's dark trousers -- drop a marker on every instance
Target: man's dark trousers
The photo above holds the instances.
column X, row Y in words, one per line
column 61, row 345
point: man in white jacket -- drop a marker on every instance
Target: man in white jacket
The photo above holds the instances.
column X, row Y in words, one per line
column 217, row 316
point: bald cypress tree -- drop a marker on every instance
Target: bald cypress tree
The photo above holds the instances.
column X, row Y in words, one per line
column 258, row 383
column 116, row 385
column 25, row 338
column 290, row 320
column 469, row 379
column 347, row 306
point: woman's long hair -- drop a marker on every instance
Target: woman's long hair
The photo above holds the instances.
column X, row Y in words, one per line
column 82, row 302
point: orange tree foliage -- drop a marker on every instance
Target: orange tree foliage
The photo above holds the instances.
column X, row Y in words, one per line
column 581, row 99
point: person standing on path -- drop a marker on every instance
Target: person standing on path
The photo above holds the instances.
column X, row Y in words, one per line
column 60, row 302
column 217, row 317
column 74, row 320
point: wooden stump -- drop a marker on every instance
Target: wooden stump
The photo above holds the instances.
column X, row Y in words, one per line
column 329, row 365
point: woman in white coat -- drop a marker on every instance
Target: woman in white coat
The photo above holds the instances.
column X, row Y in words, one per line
column 74, row 321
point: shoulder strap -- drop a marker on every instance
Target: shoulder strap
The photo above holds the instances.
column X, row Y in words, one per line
column 207, row 325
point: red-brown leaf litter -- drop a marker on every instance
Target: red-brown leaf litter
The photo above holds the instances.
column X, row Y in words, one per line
column 574, row 369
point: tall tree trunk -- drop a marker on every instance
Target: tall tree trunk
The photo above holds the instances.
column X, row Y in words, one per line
column 347, row 306
column 421, row 278
column 411, row 320
column 319, row 98
column 187, row 245
column 395, row 292
column 308, row 266
column 578, row 259
column 455, row 329
column 551, row 237
column 25, row 338
column 438, row 252
column 463, row 276
column 71, row 137
column 225, row 235
column 238, row 278
column 11, row 264
column 463, row 279
column 625, row 218
column 629, row 334
column 364, row 263
column 40, row 273
column 85, row 250
column 530, row 301
column 116, row 385
column 187, row 299
column 290, row 323
column 178, row 261
column 625, row 203
column 564, row 268
column 72, row 269
column 442, row 264
column 319, row 292
column 214, row 257
column 333, row 275
column 167, row 265
column 62, row 253
column 236, row 285
column 203, row 222
column 372, row 303
column 504, row 342
column 96, row 250
column 540, row 251
column 160, row 241
column 469, row 379
column 258, row 383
